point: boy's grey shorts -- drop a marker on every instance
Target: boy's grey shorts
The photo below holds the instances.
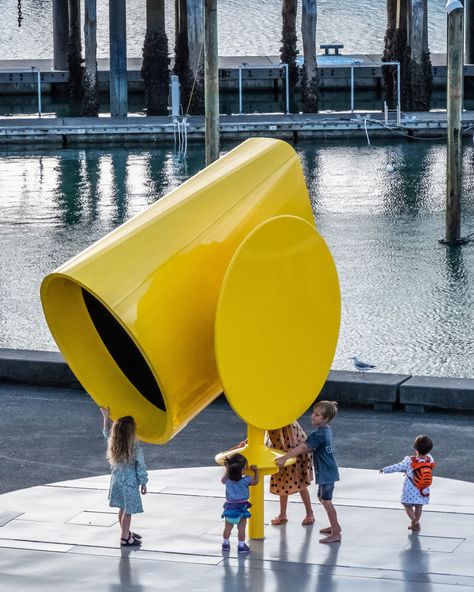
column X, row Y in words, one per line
column 325, row 491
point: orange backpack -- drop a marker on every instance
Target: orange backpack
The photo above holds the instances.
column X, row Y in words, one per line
column 422, row 473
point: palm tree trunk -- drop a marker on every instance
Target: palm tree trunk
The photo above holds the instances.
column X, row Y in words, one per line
column 155, row 65
column 288, row 51
column 309, row 82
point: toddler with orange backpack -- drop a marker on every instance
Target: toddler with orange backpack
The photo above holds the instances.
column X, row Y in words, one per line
column 418, row 471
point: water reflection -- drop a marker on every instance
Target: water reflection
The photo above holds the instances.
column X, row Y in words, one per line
column 127, row 579
column 240, row 577
column 415, row 565
column 406, row 300
column 70, row 189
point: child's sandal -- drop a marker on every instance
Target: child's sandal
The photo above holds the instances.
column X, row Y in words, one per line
column 130, row 542
column 134, row 535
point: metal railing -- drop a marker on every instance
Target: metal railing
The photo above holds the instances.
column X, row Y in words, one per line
column 34, row 70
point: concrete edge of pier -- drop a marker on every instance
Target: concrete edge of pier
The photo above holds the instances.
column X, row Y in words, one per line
column 385, row 392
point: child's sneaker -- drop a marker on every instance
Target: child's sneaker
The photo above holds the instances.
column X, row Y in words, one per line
column 243, row 549
column 226, row 546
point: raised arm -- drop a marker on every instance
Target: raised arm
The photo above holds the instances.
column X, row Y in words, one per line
column 293, row 453
column 107, row 421
column 256, row 474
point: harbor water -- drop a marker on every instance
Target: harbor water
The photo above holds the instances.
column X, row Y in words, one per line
column 407, row 301
column 246, row 27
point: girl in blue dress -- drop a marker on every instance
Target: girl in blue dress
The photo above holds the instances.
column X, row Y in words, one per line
column 236, row 507
column 129, row 474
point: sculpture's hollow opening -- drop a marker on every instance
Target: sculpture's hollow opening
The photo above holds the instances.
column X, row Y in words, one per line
column 123, row 350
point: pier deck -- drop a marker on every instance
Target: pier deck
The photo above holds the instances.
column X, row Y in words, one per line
column 82, row 130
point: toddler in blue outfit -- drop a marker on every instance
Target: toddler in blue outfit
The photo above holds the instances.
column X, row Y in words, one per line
column 236, row 506
column 319, row 442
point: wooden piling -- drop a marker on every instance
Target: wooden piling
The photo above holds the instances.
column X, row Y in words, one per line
column 195, row 33
column 309, row 82
column 455, row 58
column 74, row 50
column 420, row 62
column 469, row 31
column 211, row 81
column 60, row 34
column 90, row 100
column 288, row 51
column 118, row 59
column 155, row 64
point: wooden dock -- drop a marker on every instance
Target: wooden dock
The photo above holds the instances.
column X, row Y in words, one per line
column 66, row 131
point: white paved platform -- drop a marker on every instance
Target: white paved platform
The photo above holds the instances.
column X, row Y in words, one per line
column 64, row 536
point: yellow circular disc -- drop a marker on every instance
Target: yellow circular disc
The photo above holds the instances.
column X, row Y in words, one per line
column 277, row 322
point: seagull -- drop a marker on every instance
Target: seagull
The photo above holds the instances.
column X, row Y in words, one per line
column 362, row 366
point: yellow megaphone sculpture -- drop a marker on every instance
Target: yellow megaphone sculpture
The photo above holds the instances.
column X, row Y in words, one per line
column 222, row 284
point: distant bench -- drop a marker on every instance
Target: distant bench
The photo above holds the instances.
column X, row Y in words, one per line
column 328, row 46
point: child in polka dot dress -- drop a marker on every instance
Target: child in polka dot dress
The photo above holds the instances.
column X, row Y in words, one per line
column 412, row 498
column 293, row 478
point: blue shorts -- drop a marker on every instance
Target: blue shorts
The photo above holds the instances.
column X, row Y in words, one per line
column 325, row 491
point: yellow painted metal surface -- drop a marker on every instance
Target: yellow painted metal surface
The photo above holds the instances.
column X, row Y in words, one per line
column 134, row 313
column 277, row 322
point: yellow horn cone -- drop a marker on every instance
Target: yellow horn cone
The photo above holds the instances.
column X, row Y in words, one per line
column 134, row 313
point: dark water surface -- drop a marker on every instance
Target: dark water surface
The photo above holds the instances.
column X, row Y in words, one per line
column 407, row 301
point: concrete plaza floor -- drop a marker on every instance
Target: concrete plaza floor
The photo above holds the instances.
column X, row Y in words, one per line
column 64, row 536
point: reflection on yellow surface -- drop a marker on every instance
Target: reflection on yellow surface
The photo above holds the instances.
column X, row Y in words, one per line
column 134, row 314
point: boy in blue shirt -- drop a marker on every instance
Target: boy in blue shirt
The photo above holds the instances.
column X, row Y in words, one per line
column 319, row 442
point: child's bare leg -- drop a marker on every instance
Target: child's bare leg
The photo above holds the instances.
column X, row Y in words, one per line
column 309, row 518
column 282, row 516
column 241, row 530
column 227, row 530
column 418, row 509
column 335, row 535
column 120, row 516
column 414, row 522
column 125, row 524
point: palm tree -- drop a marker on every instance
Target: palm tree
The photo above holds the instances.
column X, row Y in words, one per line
column 155, row 65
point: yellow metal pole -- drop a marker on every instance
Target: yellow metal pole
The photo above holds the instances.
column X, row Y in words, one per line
column 256, row 438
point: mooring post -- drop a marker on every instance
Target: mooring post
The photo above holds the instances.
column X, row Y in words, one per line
column 60, row 34
column 211, row 81
column 118, row 59
column 90, row 102
column 195, row 33
column 469, row 38
column 455, row 56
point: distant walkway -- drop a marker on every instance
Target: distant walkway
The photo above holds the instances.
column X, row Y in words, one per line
column 65, row 537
